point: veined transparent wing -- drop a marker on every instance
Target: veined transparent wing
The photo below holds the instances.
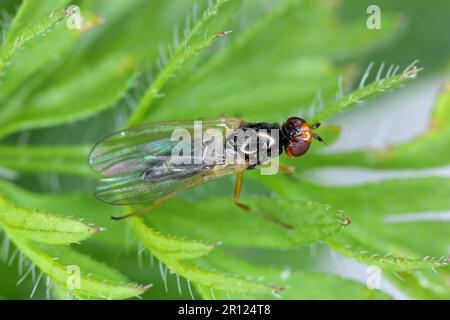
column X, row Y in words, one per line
column 137, row 166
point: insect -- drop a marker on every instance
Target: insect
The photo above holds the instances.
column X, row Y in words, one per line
column 150, row 164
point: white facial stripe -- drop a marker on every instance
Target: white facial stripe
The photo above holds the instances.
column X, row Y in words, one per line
column 306, row 135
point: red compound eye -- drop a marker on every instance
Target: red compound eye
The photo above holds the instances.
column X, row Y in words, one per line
column 295, row 122
column 299, row 148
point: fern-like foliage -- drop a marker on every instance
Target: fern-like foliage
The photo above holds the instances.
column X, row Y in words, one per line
column 64, row 89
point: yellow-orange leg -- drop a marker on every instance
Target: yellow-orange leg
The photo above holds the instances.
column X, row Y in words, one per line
column 145, row 209
column 286, row 169
column 237, row 193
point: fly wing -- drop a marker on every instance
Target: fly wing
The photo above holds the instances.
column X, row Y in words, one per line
column 137, row 164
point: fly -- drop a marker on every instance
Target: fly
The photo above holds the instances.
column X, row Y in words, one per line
column 152, row 163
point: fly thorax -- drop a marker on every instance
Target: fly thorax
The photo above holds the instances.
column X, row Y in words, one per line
column 253, row 144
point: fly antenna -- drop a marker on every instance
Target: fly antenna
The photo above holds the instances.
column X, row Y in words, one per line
column 315, row 136
column 316, row 125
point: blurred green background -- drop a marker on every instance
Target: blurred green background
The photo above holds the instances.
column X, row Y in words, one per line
column 66, row 89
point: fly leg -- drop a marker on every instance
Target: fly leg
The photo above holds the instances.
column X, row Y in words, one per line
column 237, row 193
column 286, row 169
column 146, row 209
column 138, row 212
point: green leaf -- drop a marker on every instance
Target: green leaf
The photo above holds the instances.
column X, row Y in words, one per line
column 61, row 103
column 370, row 207
column 72, row 159
column 30, row 12
column 80, row 205
column 58, row 159
column 218, row 219
column 299, row 284
column 423, row 284
column 14, row 42
column 97, row 281
column 183, row 52
column 28, row 227
column 279, row 79
column 42, row 227
column 386, row 261
column 169, row 246
column 365, row 92
column 80, row 89
column 222, row 281
column 431, row 149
